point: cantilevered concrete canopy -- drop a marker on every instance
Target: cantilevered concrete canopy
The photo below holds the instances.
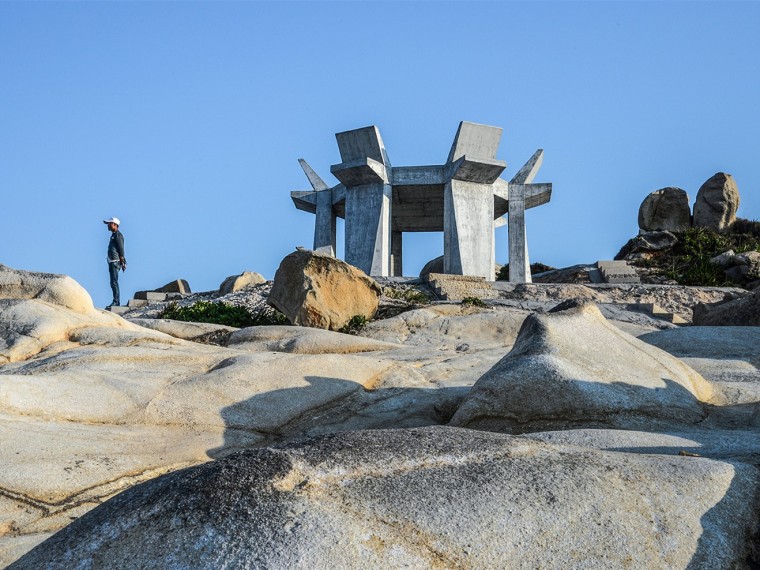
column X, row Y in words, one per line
column 463, row 198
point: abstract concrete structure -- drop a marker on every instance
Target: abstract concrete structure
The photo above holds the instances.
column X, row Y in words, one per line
column 464, row 198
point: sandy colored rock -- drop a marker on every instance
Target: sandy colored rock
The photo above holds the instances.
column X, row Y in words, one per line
column 237, row 282
column 55, row 289
column 574, row 367
column 317, row 290
column 665, row 209
column 717, row 202
column 383, row 499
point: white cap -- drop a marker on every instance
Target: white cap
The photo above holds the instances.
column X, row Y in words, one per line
column 114, row 220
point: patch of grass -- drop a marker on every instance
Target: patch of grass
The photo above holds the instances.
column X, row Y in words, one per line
column 354, row 324
column 473, row 302
column 688, row 261
column 222, row 314
column 409, row 295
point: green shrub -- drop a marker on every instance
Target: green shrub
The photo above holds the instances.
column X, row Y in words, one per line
column 688, row 261
column 222, row 314
column 354, row 324
column 473, row 302
column 535, row 268
column 408, row 295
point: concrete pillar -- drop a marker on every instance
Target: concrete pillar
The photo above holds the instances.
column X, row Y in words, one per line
column 468, row 209
column 324, row 226
column 519, row 266
column 366, row 174
column 468, row 229
column 396, row 253
column 367, row 228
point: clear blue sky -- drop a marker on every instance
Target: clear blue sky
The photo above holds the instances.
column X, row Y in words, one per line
column 186, row 120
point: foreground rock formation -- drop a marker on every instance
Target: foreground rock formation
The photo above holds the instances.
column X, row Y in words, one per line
column 92, row 405
column 422, row 498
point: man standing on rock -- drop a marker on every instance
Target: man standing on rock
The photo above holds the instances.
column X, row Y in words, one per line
column 115, row 258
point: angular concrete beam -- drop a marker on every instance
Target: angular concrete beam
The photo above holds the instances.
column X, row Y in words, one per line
column 417, row 175
column 360, row 171
column 481, row 170
column 529, row 170
column 305, row 200
column 362, row 143
column 316, row 182
column 537, row 194
column 475, row 141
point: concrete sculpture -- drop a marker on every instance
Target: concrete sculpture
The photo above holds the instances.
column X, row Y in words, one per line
column 464, row 198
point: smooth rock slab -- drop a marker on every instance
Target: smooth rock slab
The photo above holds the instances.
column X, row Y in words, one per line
column 422, row 498
column 574, row 368
column 300, row 340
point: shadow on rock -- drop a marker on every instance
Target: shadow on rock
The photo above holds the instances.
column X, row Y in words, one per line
column 353, row 408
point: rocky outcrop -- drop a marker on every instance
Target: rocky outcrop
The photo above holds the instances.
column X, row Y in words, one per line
column 646, row 244
column 717, row 202
column 316, row 290
column 741, row 312
column 383, row 499
column 55, row 289
column 237, row 282
column 666, row 209
column 176, row 286
column 574, row 367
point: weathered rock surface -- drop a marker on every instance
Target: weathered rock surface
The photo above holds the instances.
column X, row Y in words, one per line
column 55, row 289
column 384, row 499
column 717, row 202
column 237, row 282
column 297, row 340
column 574, row 367
column 197, row 332
column 91, row 405
column 647, row 244
column 665, row 209
column 741, row 312
column 316, row 290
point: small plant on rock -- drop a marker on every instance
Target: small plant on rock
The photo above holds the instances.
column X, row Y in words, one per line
column 473, row 302
column 222, row 314
column 409, row 295
column 354, row 325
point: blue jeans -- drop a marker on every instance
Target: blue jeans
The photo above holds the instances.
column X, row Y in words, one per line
column 113, row 271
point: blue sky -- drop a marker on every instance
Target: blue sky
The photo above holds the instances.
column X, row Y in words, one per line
column 186, row 120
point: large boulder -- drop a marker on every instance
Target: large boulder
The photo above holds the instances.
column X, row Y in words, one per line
column 422, row 498
column 574, row 368
column 237, row 282
column 55, row 289
column 315, row 290
column 717, row 202
column 665, row 209
column 741, row 312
